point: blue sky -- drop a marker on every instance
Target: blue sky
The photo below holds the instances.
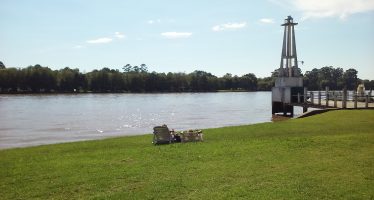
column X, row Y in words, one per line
column 226, row 36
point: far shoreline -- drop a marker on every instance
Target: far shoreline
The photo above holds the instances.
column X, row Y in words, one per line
column 123, row 92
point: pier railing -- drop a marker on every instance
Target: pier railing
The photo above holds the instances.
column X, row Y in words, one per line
column 336, row 99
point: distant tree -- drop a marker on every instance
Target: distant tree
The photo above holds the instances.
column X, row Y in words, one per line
column 202, row 81
column 40, row 79
column 275, row 73
column 152, row 82
column 227, row 81
column 265, row 84
column 235, row 82
column 325, row 77
column 70, row 80
column 350, row 79
column 248, row 82
column 136, row 69
column 181, row 82
column 100, row 81
column 311, row 79
column 127, row 68
column 2, row 66
column 369, row 85
column 163, row 82
column 337, row 77
column 137, row 83
column 137, row 79
column 117, row 81
column 143, row 68
column 9, row 79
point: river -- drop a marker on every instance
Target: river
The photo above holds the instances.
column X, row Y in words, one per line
column 29, row 120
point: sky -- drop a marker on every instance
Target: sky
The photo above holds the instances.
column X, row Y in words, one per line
column 220, row 36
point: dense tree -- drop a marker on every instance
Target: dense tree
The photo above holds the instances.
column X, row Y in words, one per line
column 227, row 81
column 2, row 66
column 275, row 73
column 311, row 79
column 202, row 81
column 350, row 79
column 369, row 85
column 118, row 81
column 325, row 77
column 137, row 79
column 337, row 77
column 334, row 78
column 248, row 82
column 143, row 68
column 181, row 82
column 330, row 77
column 9, row 79
column 39, row 79
column 70, row 80
column 127, row 68
column 265, row 84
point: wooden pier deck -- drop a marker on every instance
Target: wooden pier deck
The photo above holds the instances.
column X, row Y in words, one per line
column 325, row 100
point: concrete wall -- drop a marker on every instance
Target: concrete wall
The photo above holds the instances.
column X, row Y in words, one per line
column 281, row 94
column 289, row 82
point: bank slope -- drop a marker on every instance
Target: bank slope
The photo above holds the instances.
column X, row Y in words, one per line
column 327, row 156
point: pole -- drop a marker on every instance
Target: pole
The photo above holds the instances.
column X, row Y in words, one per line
column 344, row 98
column 327, row 96
column 335, row 101
column 319, row 98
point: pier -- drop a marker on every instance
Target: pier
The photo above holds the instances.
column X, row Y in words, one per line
column 334, row 99
column 289, row 91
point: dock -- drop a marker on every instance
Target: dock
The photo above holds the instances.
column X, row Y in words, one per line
column 335, row 100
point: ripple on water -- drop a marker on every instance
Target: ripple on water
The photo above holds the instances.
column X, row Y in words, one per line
column 43, row 119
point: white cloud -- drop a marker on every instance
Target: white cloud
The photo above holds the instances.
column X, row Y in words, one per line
column 331, row 8
column 176, row 35
column 119, row 35
column 103, row 40
column 267, row 21
column 229, row 26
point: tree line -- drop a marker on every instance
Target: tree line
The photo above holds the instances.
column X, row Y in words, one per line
column 334, row 78
column 133, row 79
column 319, row 79
column 39, row 79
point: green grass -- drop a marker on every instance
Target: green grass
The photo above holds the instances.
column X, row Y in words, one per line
column 327, row 156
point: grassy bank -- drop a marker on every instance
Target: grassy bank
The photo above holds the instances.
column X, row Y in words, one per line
column 327, row 156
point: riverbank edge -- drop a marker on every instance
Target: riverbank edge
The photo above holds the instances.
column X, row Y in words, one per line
column 274, row 120
column 299, row 158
